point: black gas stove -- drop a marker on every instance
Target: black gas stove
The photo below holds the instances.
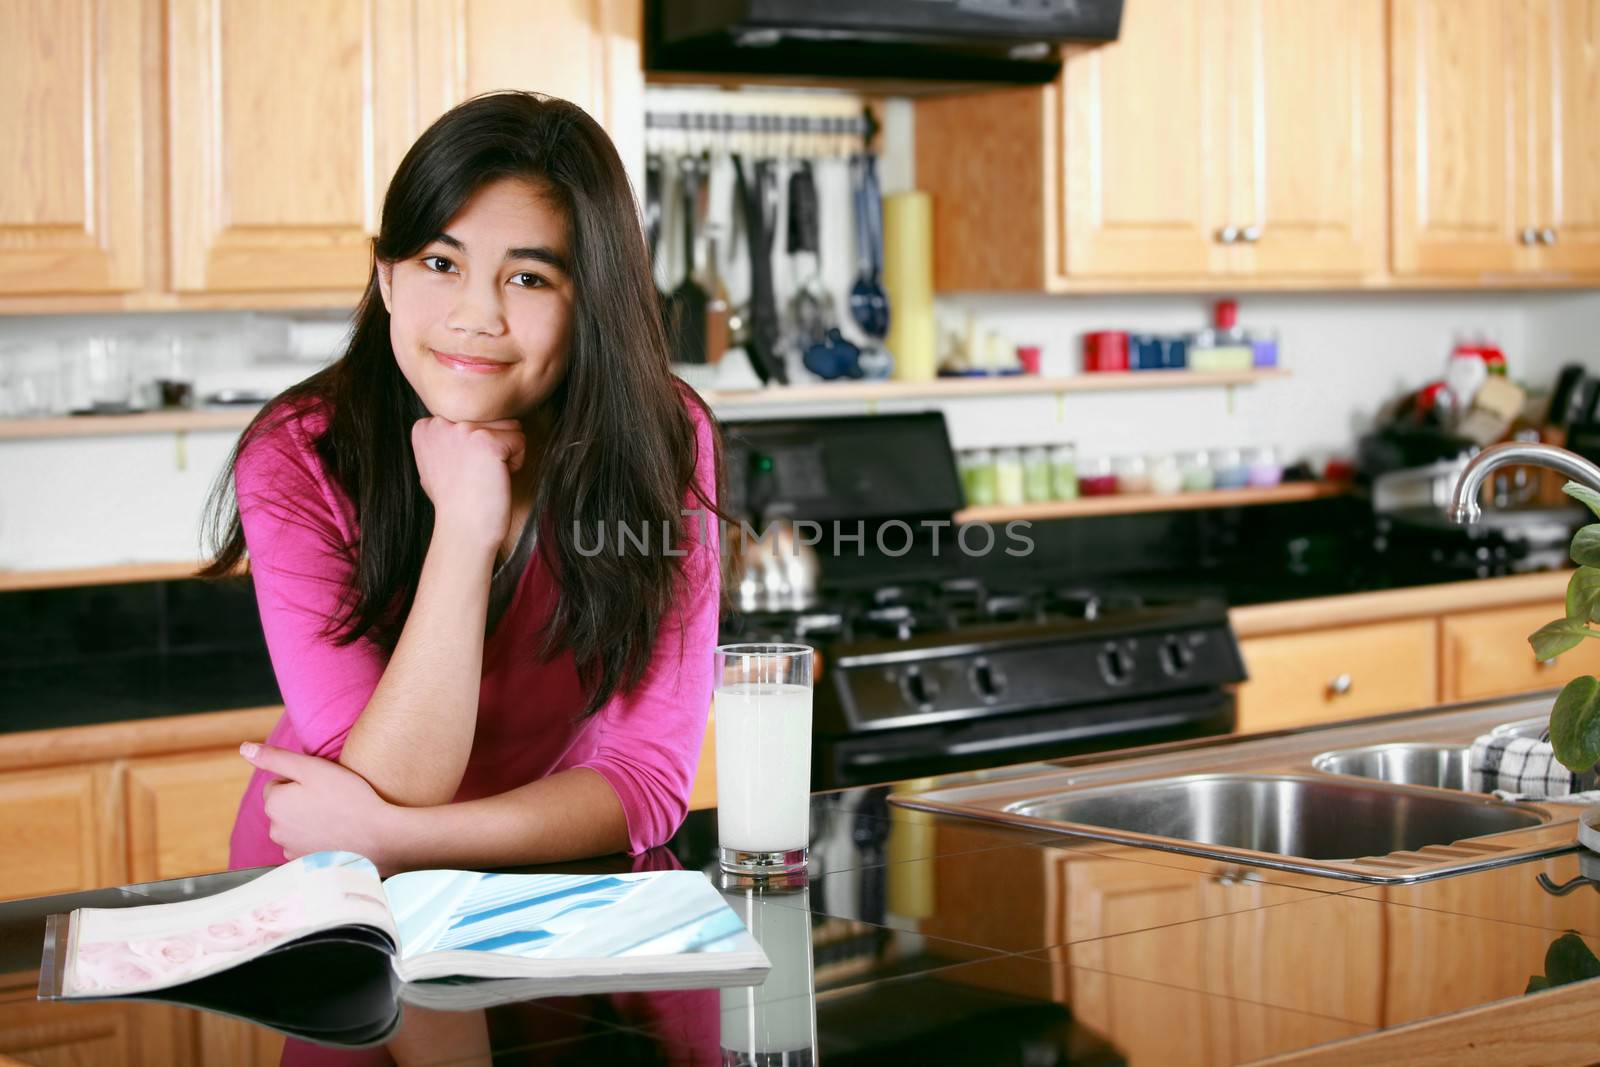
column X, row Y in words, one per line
column 927, row 664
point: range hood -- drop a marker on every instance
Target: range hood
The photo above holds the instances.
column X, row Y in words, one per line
column 1015, row 41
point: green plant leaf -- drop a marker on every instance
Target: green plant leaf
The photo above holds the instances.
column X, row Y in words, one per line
column 1579, row 491
column 1586, row 546
column 1583, row 595
column 1554, row 638
column 1575, row 724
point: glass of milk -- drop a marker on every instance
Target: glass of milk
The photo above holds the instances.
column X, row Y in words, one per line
column 762, row 709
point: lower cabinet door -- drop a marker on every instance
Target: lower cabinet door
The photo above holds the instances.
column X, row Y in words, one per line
column 181, row 811
column 54, row 832
column 1486, row 653
column 1302, row 678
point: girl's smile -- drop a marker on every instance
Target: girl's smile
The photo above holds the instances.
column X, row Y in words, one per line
column 470, row 364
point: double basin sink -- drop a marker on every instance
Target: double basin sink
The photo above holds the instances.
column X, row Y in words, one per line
column 1380, row 802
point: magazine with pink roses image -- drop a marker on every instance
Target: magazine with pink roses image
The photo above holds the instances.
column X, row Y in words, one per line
column 427, row 936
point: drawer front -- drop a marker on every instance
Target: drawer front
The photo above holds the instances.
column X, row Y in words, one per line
column 1486, row 653
column 1296, row 679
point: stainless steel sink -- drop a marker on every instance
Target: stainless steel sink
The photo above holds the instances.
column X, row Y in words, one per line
column 1285, row 815
column 1378, row 802
column 1443, row 766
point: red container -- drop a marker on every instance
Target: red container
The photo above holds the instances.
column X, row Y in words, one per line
column 1105, row 350
column 1028, row 356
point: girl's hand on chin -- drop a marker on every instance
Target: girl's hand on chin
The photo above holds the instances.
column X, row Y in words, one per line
column 466, row 470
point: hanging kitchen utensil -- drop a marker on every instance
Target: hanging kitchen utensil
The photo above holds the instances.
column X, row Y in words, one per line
column 808, row 309
column 686, row 317
column 869, row 306
column 823, row 349
column 652, row 203
column 875, row 361
column 757, row 198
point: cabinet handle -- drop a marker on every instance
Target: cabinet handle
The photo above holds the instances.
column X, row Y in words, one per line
column 1228, row 235
column 1547, row 236
column 1341, row 685
column 1250, row 234
column 1529, row 236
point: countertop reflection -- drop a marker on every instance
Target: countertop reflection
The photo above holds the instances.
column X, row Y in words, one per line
column 922, row 939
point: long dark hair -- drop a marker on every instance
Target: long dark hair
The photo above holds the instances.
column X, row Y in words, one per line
column 622, row 445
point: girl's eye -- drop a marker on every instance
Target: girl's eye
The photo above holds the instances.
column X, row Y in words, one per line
column 429, row 261
column 528, row 280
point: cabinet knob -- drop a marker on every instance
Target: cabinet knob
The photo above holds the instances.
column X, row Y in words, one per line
column 1547, row 236
column 1250, row 234
column 1228, row 235
column 1529, row 236
column 1341, row 685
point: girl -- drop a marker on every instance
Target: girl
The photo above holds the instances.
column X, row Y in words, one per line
column 467, row 681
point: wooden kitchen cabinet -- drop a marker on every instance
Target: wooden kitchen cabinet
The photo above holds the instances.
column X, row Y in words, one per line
column 1486, row 654
column 1234, row 140
column 1494, row 125
column 286, row 121
column 264, row 175
column 71, row 118
column 1564, row 134
column 180, row 812
column 284, row 140
column 1328, row 674
column 58, row 831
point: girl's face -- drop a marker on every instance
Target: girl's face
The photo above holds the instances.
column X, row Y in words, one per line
column 480, row 318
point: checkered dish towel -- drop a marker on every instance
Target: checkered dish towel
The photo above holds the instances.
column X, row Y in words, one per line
column 1525, row 768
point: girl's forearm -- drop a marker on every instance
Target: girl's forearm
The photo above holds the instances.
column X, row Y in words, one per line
column 415, row 734
column 569, row 815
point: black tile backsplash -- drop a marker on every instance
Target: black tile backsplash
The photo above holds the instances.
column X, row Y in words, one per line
column 101, row 653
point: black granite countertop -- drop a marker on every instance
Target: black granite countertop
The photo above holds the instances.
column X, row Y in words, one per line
column 925, row 939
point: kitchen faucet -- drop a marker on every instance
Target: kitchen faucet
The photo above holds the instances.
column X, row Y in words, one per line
column 1464, row 501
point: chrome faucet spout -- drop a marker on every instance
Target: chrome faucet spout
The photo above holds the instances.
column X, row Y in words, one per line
column 1464, row 501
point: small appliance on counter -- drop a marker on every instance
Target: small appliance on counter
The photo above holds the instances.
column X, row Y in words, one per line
column 933, row 658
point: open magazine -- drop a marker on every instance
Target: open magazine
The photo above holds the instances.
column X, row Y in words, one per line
column 322, row 947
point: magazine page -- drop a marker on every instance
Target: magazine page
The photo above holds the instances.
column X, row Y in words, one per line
column 117, row 951
column 566, row 926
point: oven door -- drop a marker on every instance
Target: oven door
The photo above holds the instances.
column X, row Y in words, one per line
column 874, row 757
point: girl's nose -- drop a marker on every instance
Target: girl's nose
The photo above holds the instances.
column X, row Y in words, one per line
column 477, row 310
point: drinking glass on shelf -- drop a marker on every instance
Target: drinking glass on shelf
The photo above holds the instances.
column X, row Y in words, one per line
column 762, row 708
column 108, row 372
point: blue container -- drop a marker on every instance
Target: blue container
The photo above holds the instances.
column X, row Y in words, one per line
column 1174, row 353
column 1144, row 352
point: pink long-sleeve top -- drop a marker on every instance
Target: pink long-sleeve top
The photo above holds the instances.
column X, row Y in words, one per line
column 645, row 742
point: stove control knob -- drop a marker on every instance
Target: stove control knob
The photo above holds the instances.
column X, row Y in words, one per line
column 1176, row 656
column 1116, row 665
column 920, row 688
column 987, row 681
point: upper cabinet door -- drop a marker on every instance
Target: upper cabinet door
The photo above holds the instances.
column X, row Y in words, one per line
column 1564, row 77
column 71, row 119
column 585, row 51
column 1455, row 96
column 287, row 120
column 1144, row 154
column 1306, row 97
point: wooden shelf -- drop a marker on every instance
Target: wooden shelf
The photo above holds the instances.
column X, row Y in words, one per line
column 142, row 423
column 114, row 574
column 1000, row 385
column 1133, row 503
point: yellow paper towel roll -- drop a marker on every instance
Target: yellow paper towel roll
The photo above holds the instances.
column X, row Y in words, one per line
column 908, row 279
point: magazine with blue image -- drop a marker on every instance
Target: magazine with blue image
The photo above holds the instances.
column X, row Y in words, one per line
column 448, row 939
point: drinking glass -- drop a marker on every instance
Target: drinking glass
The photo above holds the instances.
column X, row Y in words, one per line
column 763, row 716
